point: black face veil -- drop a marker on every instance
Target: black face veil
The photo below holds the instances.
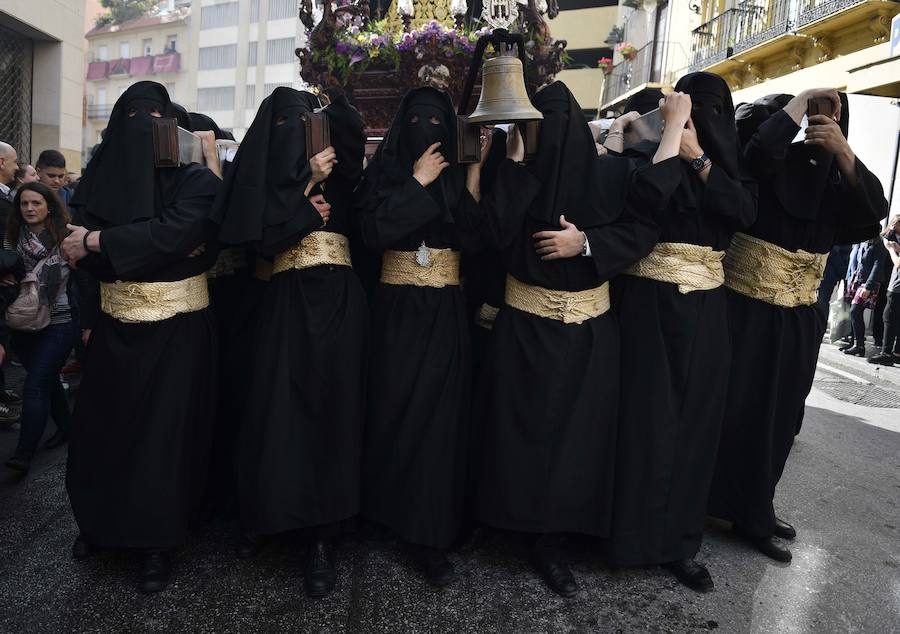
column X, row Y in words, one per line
column 265, row 185
column 587, row 189
column 643, row 101
column 801, row 184
column 121, row 183
column 713, row 117
column 200, row 121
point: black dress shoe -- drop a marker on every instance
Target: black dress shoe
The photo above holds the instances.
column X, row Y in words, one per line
column 81, row 549
column 439, row 570
column 882, row 358
column 19, row 462
column 845, row 346
column 248, row 545
column 784, row 530
column 691, row 573
column 155, row 571
column 550, row 562
column 770, row 546
column 856, row 351
column 58, row 439
column 318, row 570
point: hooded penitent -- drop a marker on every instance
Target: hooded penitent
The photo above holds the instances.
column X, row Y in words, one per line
column 643, row 101
column 122, row 168
column 200, row 121
column 713, row 117
column 264, row 189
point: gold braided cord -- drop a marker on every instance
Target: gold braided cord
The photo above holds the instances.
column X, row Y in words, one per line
column 401, row 268
column 569, row 307
column 486, row 316
column 144, row 302
column 316, row 249
column 229, row 262
column 766, row 272
column 692, row 267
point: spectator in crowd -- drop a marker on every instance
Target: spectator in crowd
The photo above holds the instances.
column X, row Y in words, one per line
column 835, row 271
column 25, row 174
column 863, row 286
column 8, row 166
column 35, row 230
column 51, row 169
column 890, row 345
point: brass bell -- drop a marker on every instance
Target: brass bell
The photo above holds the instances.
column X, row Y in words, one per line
column 503, row 95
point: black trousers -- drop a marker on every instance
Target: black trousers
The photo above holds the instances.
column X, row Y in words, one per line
column 858, row 324
column 891, row 340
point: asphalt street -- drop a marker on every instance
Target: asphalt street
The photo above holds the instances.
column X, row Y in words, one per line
column 841, row 490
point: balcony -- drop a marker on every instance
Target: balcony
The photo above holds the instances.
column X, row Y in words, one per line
column 99, row 112
column 629, row 76
column 135, row 67
column 760, row 30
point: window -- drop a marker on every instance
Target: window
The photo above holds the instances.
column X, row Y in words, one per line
column 218, row 57
column 279, row 9
column 659, row 43
column 254, row 11
column 250, row 97
column 270, row 88
column 219, row 15
column 251, row 53
column 124, row 50
column 101, row 96
column 102, row 53
column 280, row 51
column 171, row 44
column 215, row 98
column 147, row 46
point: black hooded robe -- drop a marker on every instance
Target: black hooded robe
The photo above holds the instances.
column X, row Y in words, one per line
column 776, row 348
column 143, row 419
column 676, row 352
column 549, row 391
column 414, row 466
column 300, row 440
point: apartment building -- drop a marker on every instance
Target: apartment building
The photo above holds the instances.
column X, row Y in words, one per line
column 42, row 77
column 244, row 50
column 152, row 47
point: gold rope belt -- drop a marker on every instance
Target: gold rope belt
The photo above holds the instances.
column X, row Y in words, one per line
column 316, row 249
column 569, row 307
column 140, row 302
column 766, row 272
column 229, row 262
column 692, row 267
column 486, row 316
column 426, row 267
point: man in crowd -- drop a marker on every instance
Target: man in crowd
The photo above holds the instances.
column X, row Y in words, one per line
column 8, row 166
column 51, row 170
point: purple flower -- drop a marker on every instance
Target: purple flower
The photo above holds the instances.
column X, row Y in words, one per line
column 358, row 56
column 341, row 48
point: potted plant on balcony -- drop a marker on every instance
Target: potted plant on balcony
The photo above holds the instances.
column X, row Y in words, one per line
column 626, row 50
column 605, row 64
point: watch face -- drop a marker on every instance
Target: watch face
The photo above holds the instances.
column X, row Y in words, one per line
column 698, row 163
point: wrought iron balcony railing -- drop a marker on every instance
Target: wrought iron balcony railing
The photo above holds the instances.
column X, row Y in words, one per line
column 714, row 41
column 760, row 20
column 628, row 74
column 99, row 112
column 812, row 10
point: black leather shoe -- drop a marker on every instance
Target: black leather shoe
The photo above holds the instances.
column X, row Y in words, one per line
column 770, row 546
column 691, row 573
column 81, row 549
column 845, row 346
column 155, row 571
column 856, row 351
column 882, row 358
column 784, row 530
column 550, row 562
column 58, row 439
column 248, row 545
column 318, row 570
column 19, row 462
column 439, row 570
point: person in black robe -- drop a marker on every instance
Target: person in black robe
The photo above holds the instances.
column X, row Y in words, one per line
column 143, row 418
column 235, row 293
column 415, row 209
column 549, row 390
column 813, row 194
column 672, row 312
column 300, row 439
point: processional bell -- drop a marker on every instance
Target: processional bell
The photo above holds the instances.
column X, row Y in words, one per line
column 504, row 96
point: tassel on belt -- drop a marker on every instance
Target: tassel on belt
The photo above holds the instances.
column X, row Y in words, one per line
column 692, row 267
column 771, row 274
column 436, row 268
column 144, row 302
column 316, row 249
column 569, row 307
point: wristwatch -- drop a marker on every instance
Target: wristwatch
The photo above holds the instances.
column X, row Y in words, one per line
column 699, row 163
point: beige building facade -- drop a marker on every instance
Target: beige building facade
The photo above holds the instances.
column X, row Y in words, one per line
column 42, row 77
column 154, row 47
